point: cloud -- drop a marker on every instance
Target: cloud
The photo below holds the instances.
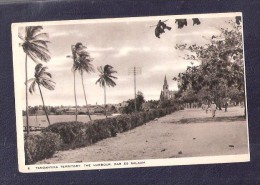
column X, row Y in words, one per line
column 58, row 34
column 97, row 52
column 98, row 49
column 198, row 33
column 162, row 49
column 124, row 51
column 159, row 68
column 53, row 33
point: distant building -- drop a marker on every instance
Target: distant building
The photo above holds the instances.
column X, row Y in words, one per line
column 99, row 109
column 146, row 106
column 166, row 94
column 119, row 107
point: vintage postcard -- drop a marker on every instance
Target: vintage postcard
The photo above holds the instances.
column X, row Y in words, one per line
column 130, row 92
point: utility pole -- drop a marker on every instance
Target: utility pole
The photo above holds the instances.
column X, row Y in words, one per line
column 135, row 71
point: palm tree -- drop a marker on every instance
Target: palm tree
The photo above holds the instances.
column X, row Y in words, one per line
column 35, row 47
column 75, row 61
column 106, row 79
column 82, row 63
column 41, row 78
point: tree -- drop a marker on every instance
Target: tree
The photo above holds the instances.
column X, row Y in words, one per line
column 35, row 47
column 183, row 22
column 106, row 79
column 221, row 66
column 41, row 78
column 82, row 63
column 130, row 108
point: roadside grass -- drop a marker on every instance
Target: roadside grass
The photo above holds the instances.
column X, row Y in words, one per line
column 207, row 119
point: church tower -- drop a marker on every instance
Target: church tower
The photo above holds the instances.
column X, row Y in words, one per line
column 166, row 94
column 165, row 85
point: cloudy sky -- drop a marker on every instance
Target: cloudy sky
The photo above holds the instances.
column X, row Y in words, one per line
column 122, row 44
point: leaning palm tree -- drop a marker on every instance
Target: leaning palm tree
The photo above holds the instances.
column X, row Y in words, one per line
column 35, row 47
column 75, row 61
column 106, row 79
column 82, row 63
column 41, row 78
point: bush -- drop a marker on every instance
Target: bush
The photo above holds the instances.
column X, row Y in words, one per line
column 72, row 134
column 124, row 121
column 40, row 146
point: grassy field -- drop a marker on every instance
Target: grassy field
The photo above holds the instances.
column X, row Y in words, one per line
column 41, row 121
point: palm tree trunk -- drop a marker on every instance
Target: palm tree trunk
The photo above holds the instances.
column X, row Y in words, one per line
column 85, row 95
column 105, row 100
column 44, row 105
column 76, row 113
column 36, row 115
column 26, row 94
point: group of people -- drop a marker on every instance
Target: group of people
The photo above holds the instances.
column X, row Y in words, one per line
column 212, row 107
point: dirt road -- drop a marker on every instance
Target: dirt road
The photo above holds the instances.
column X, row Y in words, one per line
column 186, row 133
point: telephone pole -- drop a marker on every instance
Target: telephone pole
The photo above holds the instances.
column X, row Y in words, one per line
column 135, row 71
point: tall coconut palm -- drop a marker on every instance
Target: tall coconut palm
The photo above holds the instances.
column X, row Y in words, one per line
column 75, row 61
column 35, row 47
column 106, row 79
column 41, row 78
column 82, row 63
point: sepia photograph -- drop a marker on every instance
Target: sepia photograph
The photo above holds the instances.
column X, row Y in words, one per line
column 130, row 92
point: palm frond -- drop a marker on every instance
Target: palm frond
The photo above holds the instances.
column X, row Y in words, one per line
column 31, row 31
column 47, row 79
column 30, row 80
column 34, row 45
column 40, row 47
column 48, row 74
column 98, row 81
column 38, row 67
column 40, row 42
column 41, row 35
column 36, row 54
column 32, row 87
column 48, row 86
column 110, row 76
column 20, row 36
column 41, row 72
column 105, row 76
column 101, row 82
column 100, row 69
column 43, row 78
column 110, row 82
column 36, row 29
column 87, row 67
column 82, row 59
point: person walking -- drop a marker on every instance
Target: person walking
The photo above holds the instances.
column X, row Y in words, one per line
column 207, row 105
column 213, row 108
column 226, row 106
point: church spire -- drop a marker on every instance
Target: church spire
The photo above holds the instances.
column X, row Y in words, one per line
column 165, row 85
column 165, row 81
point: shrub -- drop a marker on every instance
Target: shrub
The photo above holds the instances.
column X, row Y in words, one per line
column 124, row 121
column 121, row 124
column 72, row 134
column 40, row 146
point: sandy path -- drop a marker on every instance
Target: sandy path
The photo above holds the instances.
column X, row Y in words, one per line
column 166, row 139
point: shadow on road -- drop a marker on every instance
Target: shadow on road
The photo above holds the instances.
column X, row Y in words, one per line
column 206, row 120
